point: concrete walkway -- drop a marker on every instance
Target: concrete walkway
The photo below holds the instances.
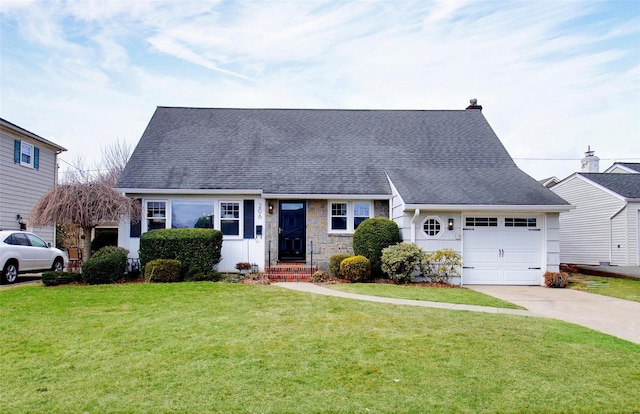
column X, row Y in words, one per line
column 320, row 290
column 617, row 317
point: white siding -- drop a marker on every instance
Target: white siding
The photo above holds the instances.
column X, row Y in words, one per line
column 234, row 249
column 553, row 242
column 584, row 231
column 20, row 186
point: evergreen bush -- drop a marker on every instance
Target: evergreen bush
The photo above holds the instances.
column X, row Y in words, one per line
column 356, row 269
column 199, row 250
column 401, row 261
column 52, row 278
column 104, row 268
column 334, row 263
column 163, row 271
column 373, row 235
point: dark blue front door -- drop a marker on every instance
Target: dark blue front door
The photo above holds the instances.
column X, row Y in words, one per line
column 292, row 231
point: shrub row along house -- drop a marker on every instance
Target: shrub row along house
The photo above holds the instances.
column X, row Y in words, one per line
column 285, row 184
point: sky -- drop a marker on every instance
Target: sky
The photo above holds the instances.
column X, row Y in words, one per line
column 553, row 77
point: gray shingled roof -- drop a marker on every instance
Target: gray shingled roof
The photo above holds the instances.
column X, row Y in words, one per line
column 432, row 157
column 626, row 185
column 631, row 165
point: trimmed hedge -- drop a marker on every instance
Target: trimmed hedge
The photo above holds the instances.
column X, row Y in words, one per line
column 373, row 235
column 163, row 271
column 334, row 263
column 356, row 269
column 104, row 268
column 199, row 250
column 60, row 278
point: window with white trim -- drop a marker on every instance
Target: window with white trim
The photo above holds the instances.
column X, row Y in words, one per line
column 346, row 216
column 520, row 222
column 481, row 222
column 26, row 154
column 230, row 218
column 156, row 215
column 191, row 214
column 432, row 227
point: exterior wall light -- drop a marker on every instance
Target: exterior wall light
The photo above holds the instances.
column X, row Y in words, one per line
column 450, row 224
column 270, row 208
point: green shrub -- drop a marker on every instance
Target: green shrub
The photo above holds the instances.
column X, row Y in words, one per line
column 373, row 235
column 110, row 249
column 401, row 261
column 334, row 263
column 443, row 264
column 199, row 250
column 104, row 238
column 356, row 269
column 163, row 271
column 556, row 279
column 211, row 276
column 60, row 278
column 104, row 268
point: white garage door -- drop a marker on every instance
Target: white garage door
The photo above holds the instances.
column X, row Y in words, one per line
column 502, row 250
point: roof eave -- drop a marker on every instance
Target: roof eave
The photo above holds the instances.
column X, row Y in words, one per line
column 486, row 207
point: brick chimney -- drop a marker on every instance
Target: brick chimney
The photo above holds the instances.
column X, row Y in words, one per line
column 590, row 163
column 474, row 104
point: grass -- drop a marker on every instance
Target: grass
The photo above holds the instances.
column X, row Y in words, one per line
column 433, row 294
column 608, row 286
column 211, row 347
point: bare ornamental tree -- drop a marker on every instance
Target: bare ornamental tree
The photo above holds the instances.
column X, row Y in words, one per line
column 88, row 200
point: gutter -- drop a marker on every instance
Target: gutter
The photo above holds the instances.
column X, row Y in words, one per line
column 413, row 225
column 620, row 210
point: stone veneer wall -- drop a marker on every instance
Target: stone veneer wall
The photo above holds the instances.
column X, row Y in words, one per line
column 325, row 245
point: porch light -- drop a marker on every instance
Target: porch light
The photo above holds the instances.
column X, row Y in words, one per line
column 450, row 224
column 270, row 208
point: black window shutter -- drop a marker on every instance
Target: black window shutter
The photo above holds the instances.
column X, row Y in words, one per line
column 36, row 157
column 248, row 219
column 16, row 151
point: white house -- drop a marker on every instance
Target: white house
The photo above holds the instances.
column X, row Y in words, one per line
column 286, row 184
column 29, row 168
column 603, row 227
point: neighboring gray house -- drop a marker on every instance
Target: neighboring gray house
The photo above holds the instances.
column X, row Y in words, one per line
column 277, row 181
column 603, row 228
column 29, row 168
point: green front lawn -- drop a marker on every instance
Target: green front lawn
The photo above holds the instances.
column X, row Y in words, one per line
column 211, row 347
column 433, row 294
column 608, row 286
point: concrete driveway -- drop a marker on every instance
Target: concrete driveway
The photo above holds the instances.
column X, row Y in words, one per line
column 612, row 316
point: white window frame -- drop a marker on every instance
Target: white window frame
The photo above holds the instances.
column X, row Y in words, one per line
column 240, row 219
column 167, row 213
column 24, row 144
column 350, row 214
column 438, row 220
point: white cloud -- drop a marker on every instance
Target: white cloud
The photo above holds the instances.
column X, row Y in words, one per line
column 553, row 77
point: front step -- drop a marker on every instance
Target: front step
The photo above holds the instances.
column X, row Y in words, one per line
column 290, row 272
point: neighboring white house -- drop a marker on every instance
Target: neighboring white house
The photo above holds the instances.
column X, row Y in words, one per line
column 29, row 168
column 603, row 227
column 281, row 182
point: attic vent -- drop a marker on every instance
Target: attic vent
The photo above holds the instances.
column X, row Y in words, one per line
column 474, row 104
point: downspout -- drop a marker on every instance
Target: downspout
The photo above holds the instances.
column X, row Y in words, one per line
column 413, row 225
column 620, row 210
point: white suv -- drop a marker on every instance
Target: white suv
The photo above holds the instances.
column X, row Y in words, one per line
column 22, row 252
